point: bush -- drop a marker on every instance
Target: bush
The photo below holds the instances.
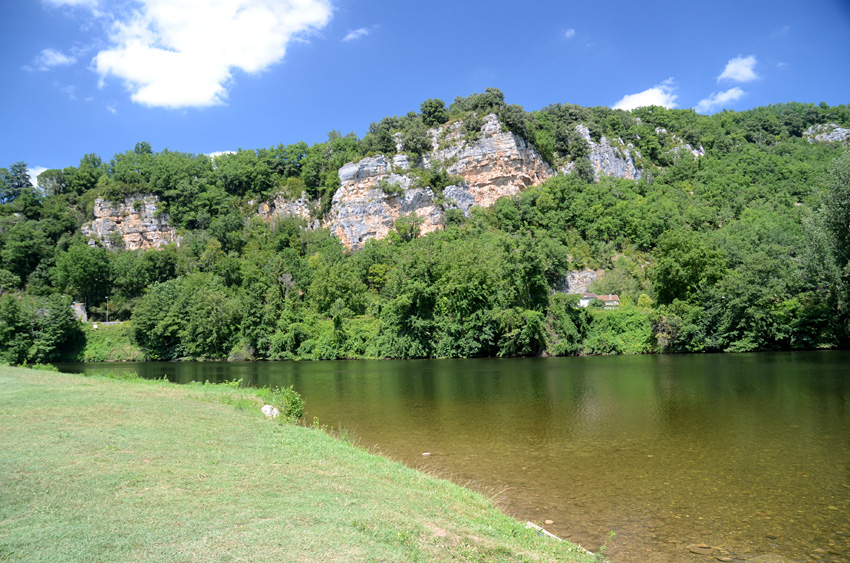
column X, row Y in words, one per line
column 287, row 400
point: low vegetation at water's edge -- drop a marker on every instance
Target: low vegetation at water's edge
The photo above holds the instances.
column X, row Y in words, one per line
column 104, row 470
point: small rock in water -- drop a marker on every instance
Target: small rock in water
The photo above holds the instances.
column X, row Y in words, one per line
column 701, row 549
column 548, row 522
column 426, row 454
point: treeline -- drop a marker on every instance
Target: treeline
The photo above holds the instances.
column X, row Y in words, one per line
column 745, row 248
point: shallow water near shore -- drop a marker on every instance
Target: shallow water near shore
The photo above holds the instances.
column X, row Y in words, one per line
column 747, row 454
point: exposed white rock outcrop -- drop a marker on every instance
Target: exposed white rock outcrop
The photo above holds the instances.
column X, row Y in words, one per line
column 375, row 191
column 826, row 133
column 132, row 224
column 578, row 281
column 679, row 145
column 609, row 160
column 301, row 208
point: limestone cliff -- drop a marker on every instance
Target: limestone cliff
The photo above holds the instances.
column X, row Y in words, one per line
column 132, row 224
column 615, row 160
column 375, row 191
column 280, row 207
column 578, row 281
column 826, row 133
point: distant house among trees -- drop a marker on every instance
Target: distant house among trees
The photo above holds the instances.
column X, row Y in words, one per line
column 609, row 301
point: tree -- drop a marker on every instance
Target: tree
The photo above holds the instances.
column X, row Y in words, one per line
column 416, row 141
column 829, row 240
column 434, row 112
column 53, row 182
column 84, row 271
column 14, row 180
column 687, row 262
column 25, row 245
column 86, row 175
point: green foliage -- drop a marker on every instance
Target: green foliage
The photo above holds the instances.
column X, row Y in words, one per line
column 829, row 232
column 741, row 249
column 686, row 263
column 416, row 141
column 195, row 316
column 408, row 227
column 288, row 401
column 624, row 330
column 84, row 272
column 434, row 112
column 35, row 329
column 13, row 181
column 390, row 188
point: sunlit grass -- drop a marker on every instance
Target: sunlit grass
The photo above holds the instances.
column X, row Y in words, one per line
column 97, row 469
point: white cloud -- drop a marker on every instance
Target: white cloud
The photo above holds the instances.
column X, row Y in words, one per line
column 717, row 100
column 34, row 171
column 111, row 109
column 570, row 33
column 659, row 95
column 740, row 69
column 356, row 34
column 216, row 154
column 50, row 58
column 182, row 53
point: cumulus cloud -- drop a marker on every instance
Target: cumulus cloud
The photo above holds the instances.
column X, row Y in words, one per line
column 740, row 69
column 219, row 153
column 34, row 171
column 718, row 100
column 50, row 58
column 182, row 53
column 659, row 95
column 356, row 34
column 570, row 33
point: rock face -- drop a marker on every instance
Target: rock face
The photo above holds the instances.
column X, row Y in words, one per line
column 680, row 145
column 578, row 281
column 498, row 164
column 280, row 207
column 610, row 160
column 130, row 225
column 826, row 133
column 372, row 196
column 375, row 191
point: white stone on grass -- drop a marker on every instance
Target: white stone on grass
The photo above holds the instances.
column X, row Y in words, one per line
column 270, row 411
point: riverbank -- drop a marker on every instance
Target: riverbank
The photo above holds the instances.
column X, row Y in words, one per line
column 98, row 469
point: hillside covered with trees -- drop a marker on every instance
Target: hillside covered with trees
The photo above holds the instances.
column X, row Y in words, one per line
column 744, row 248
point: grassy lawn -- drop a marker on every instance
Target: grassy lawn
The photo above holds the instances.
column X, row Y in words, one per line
column 94, row 469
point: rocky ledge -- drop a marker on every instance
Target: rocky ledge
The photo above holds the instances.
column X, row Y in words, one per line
column 375, row 191
column 826, row 133
column 130, row 225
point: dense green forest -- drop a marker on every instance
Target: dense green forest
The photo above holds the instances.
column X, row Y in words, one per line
column 745, row 248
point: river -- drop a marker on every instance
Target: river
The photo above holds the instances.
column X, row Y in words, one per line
column 748, row 454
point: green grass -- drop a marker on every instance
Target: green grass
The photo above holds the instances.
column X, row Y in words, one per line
column 97, row 469
column 109, row 343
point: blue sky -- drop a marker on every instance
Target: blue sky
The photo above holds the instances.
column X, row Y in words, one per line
column 201, row 76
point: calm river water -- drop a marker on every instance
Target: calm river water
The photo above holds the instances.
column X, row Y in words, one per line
column 748, row 453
